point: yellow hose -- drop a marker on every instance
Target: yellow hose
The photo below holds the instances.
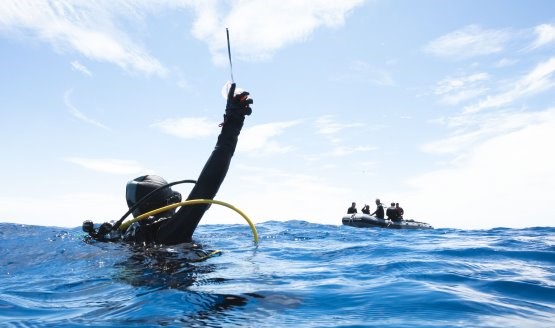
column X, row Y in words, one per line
column 128, row 222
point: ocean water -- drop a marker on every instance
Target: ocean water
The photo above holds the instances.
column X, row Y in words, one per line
column 300, row 275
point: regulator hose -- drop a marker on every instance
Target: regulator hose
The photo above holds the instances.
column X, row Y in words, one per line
column 124, row 224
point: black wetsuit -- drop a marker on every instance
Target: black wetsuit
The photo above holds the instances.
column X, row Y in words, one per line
column 366, row 210
column 180, row 227
column 400, row 213
column 351, row 210
column 391, row 213
column 379, row 212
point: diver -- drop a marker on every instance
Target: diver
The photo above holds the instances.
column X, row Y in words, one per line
column 400, row 211
column 379, row 212
column 171, row 227
column 391, row 212
column 352, row 209
column 366, row 209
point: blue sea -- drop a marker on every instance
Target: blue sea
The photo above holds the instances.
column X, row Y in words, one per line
column 299, row 275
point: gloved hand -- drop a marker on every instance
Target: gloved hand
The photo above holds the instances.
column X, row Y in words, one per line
column 238, row 104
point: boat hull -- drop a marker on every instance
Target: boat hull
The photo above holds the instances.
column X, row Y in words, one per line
column 367, row 221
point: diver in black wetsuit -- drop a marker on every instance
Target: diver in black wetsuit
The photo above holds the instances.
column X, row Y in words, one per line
column 172, row 227
column 400, row 211
column 366, row 209
column 352, row 209
column 391, row 213
column 379, row 212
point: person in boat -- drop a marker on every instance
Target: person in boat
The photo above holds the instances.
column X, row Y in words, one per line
column 366, row 209
column 171, row 227
column 379, row 212
column 352, row 209
column 391, row 213
column 400, row 211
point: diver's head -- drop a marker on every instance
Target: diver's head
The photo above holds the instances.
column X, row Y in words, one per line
column 139, row 187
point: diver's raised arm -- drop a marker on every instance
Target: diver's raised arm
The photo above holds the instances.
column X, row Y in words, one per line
column 181, row 226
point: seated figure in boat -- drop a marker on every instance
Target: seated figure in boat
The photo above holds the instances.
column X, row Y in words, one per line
column 392, row 213
column 400, row 211
column 352, row 209
column 366, row 209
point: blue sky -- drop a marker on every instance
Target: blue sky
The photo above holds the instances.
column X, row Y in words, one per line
column 446, row 107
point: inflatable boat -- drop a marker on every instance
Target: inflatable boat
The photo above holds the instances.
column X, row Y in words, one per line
column 367, row 221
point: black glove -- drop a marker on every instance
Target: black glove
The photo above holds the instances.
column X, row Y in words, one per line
column 99, row 235
column 238, row 104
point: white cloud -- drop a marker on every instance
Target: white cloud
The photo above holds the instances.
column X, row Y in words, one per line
column 330, row 128
column 97, row 29
column 456, row 90
column 113, row 166
column 328, row 125
column 188, row 127
column 87, row 27
column 505, row 62
column 259, row 28
column 502, row 166
column 454, row 143
column 344, row 151
column 463, row 95
column 469, row 41
column 506, row 181
column 545, row 34
column 483, row 127
column 453, row 84
column 273, row 194
column 361, row 71
column 78, row 114
column 538, row 80
column 77, row 66
column 338, row 151
column 259, row 138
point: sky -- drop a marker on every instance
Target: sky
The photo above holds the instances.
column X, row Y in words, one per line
column 447, row 107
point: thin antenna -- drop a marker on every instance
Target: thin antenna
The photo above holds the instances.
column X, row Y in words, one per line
column 229, row 55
